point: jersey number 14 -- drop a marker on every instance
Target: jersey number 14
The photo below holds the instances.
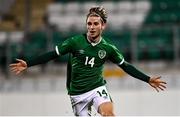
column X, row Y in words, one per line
column 89, row 61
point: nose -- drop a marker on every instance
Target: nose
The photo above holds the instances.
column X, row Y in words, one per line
column 91, row 26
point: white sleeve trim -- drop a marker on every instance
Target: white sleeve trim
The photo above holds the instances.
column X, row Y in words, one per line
column 57, row 50
column 121, row 62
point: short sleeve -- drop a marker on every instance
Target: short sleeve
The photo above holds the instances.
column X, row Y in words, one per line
column 115, row 56
column 65, row 47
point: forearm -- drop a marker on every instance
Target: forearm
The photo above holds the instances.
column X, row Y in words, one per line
column 131, row 70
column 41, row 59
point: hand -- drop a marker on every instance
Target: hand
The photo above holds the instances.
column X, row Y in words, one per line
column 157, row 83
column 18, row 67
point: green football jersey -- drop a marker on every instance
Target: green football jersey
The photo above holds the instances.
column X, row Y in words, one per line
column 86, row 62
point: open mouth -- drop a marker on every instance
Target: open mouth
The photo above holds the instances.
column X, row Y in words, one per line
column 92, row 31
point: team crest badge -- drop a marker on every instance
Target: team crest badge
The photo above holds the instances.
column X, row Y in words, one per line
column 101, row 54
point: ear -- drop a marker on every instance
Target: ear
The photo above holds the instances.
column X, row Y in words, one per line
column 103, row 26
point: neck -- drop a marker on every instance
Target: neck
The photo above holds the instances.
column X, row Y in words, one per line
column 94, row 39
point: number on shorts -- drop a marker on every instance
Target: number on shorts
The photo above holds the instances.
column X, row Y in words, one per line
column 103, row 93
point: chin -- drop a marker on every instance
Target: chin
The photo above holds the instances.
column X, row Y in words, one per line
column 94, row 35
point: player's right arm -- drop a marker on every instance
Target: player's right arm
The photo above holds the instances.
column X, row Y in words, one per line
column 18, row 67
column 22, row 65
column 60, row 49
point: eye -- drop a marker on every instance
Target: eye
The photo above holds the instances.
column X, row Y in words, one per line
column 96, row 23
column 89, row 23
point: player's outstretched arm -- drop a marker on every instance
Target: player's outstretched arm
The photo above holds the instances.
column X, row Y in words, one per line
column 157, row 83
column 21, row 65
column 18, row 67
column 134, row 72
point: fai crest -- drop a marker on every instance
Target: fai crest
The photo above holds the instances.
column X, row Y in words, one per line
column 101, row 54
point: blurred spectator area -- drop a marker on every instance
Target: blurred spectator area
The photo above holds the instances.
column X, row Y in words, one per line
column 141, row 29
column 14, row 17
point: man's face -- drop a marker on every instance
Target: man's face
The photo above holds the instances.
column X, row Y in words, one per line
column 94, row 26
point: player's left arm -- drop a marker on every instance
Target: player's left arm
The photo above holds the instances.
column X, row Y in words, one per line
column 155, row 82
column 117, row 58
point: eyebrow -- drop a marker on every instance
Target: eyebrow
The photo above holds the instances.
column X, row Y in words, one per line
column 93, row 22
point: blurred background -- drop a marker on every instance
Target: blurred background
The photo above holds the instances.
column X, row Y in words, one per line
column 147, row 32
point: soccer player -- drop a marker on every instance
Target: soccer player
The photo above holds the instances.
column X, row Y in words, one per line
column 85, row 83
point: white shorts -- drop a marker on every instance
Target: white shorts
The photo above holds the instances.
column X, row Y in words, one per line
column 81, row 104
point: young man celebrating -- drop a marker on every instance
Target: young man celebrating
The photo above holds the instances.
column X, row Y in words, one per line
column 85, row 83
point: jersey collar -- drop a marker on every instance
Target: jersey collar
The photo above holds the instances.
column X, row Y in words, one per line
column 94, row 44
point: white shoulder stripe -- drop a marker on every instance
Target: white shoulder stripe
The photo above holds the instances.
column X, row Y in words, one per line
column 57, row 51
column 121, row 62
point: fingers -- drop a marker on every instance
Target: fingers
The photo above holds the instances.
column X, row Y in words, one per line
column 19, row 60
column 163, row 82
column 159, row 87
column 158, row 77
column 18, row 63
column 156, row 89
column 18, row 67
column 162, row 89
column 13, row 65
column 15, row 70
column 18, row 72
column 162, row 86
column 160, row 81
column 157, row 80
